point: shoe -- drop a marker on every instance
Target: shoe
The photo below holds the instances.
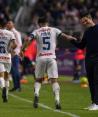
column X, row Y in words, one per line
column 89, row 106
column 18, row 90
column 58, row 106
column 11, row 90
column 15, row 89
column 92, row 107
column 4, row 96
column 35, row 104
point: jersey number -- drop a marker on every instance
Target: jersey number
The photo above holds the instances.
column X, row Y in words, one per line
column 46, row 42
column 2, row 50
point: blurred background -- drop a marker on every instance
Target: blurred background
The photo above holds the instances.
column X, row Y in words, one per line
column 63, row 14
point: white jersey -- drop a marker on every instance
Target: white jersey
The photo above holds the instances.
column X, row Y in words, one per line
column 18, row 41
column 5, row 38
column 46, row 41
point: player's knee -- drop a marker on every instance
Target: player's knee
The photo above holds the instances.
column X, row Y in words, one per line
column 39, row 80
column 53, row 80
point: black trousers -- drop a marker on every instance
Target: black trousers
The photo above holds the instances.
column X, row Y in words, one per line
column 91, row 64
column 15, row 72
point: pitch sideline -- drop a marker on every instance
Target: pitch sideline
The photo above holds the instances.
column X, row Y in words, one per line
column 45, row 106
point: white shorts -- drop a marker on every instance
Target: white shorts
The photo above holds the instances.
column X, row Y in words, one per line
column 5, row 67
column 46, row 65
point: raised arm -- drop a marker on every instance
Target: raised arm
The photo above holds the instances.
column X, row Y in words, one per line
column 67, row 37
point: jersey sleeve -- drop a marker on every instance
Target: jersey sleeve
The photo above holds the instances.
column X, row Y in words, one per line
column 33, row 35
column 58, row 32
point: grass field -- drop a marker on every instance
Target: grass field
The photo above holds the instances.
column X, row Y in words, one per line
column 73, row 100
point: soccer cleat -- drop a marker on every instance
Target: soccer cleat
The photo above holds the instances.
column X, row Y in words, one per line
column 4, row 96
column 58, row 106
column 35, row 104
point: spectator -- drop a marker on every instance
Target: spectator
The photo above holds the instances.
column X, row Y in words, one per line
column 78, row 65
column 29, row 56
column 15, row 58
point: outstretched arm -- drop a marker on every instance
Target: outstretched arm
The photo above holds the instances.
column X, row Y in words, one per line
column 67, row 37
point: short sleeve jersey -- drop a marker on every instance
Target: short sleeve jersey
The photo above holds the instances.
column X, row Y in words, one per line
column 46, row 38
column 5, row 39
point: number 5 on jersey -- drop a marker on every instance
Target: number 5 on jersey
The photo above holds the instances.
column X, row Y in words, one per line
column 46, row 43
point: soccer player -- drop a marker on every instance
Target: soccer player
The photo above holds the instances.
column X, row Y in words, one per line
column 7, row 43
column 46, row 38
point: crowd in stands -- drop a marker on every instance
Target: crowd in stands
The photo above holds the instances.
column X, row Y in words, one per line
column 63, row 14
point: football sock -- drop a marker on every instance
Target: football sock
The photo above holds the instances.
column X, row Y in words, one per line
column 2, row 83
column 7, row 86
column 56, row 90
column 37, row 87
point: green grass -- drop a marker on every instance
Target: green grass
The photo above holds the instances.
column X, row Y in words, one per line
column 73, row 100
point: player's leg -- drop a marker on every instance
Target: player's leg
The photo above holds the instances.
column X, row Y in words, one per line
column 39, row 74
column 53, row 76
column 2, row 82
column 6, row 77
column 37, row 86
column 15, row 74
column 77, row 71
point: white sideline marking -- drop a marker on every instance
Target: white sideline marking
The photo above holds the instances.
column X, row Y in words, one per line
column 44, row 106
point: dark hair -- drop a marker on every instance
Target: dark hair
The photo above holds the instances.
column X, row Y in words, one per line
column 42, row 20
column 84, row 13
column 3, row 20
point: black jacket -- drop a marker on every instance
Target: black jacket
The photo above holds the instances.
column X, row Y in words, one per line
column 89, row 41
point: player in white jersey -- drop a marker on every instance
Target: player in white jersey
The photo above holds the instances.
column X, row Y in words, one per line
column 7, row 40
column 46, row 38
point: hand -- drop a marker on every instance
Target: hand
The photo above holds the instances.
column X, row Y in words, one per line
column 21, row 54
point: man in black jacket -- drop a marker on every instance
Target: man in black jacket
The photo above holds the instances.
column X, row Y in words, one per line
column 90, row 42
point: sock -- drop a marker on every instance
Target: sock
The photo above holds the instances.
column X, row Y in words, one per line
column 7, row 83
column 56, row 90
column 7, row 86
column 37, row 87
column 2, row 83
